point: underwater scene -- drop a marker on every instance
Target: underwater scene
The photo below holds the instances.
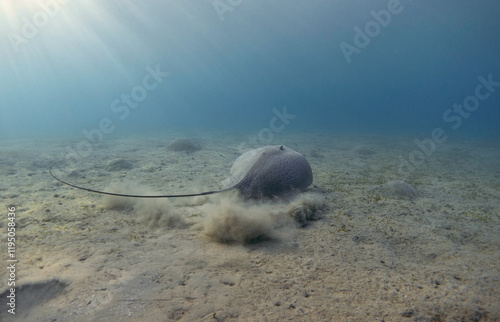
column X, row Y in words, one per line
column 237, row 160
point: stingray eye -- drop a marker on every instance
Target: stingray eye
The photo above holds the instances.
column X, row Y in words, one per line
column 281, row 148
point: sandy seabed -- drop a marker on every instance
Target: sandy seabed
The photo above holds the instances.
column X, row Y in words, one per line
column 359, row 245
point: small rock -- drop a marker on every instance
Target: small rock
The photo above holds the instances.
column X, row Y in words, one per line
column 363, row 151
column 149, row 168
column 83, row 257
column 399, row 190
column 184, row 145
column 74, row 174
column 408, row 313
column 119, row 164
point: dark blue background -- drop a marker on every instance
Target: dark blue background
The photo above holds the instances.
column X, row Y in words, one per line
column 230, row 74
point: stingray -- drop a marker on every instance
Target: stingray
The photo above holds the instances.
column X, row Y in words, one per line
column 267, row 172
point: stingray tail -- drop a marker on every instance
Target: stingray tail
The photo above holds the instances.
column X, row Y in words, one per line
column 137, row 196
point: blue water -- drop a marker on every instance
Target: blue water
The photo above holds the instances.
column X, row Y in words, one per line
column 230, row 63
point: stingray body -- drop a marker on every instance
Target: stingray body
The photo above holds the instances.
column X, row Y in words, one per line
column 270, row 171
column 267, row 172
